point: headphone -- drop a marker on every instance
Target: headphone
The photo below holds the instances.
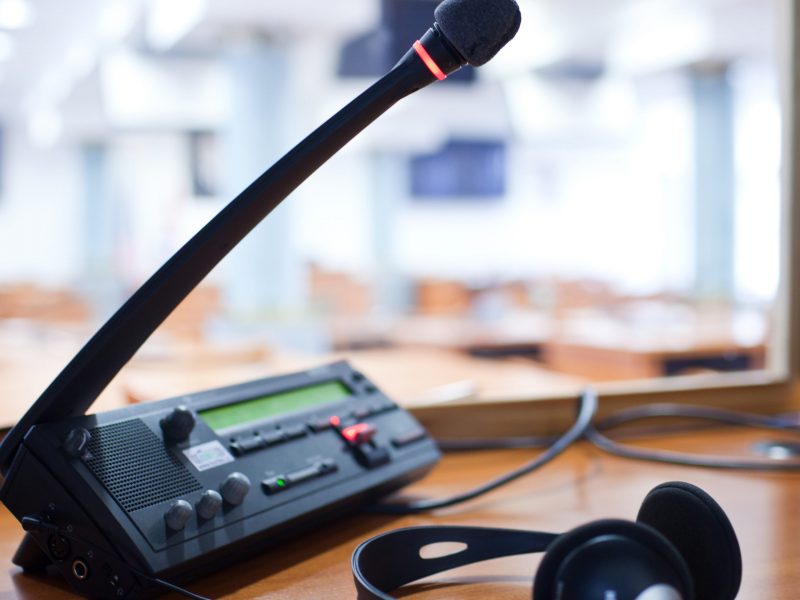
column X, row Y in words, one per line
column 682, row 546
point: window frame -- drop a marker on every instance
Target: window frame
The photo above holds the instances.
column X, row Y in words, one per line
column 771, row 390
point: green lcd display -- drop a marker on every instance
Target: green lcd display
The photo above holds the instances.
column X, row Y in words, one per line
column 256, row 409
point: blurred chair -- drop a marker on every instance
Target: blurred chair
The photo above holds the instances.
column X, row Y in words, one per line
column 189, row 320
column 442, row 297
column 337, row 293
column 38, row 303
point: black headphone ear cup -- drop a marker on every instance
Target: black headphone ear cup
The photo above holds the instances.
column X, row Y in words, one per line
column 700, row 530
column 614, row 556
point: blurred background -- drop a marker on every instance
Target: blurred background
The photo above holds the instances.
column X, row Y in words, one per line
column 600, row 202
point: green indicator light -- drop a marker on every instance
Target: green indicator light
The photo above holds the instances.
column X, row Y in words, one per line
column 281, row 483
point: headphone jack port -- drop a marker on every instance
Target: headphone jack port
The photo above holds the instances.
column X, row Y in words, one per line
column 80, row 569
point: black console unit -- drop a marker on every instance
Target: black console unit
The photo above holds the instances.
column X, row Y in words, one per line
column 176, row 488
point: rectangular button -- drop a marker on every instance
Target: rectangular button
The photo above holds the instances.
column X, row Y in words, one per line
column 295, row 431
column 372, row 457
column 236, row 448
column 409, row 437
column 276, row 436
column 318, row 425
column 327, row 466
column 303, row 475
column 247, row 444
column 251, row 443
column 361, row 413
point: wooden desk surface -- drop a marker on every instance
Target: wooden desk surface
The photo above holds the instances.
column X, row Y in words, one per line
column 582, row 485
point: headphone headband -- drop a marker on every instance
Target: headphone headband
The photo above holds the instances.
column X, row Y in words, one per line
column 393, row 559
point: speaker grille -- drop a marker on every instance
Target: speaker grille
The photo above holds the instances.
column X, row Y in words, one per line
column 135, row 467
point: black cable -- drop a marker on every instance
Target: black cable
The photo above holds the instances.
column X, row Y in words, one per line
column 586, row 410
column 32, row 523
column 594, row 433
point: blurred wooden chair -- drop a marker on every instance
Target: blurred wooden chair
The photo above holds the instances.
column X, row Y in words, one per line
column 442, row 297
column 338, row 293
column 27, row 300
column 189, row 320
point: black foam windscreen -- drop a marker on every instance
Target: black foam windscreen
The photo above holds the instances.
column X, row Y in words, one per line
column 478, row 29
column 700, row 530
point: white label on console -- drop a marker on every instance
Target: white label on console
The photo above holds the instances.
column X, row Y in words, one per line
column 209, row 455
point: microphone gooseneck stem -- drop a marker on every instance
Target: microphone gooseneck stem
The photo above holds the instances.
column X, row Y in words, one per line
column 89, row 372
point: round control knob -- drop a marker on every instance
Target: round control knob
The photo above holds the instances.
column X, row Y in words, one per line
column 235, row 488
column 76, row 442
column 209, row 504
column 178, row 514
column 178, row 424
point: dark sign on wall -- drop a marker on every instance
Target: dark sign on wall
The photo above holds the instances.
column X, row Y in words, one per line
column 461, row 169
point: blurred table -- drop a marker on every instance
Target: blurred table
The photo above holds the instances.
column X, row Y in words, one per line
column 675, row 342
column 519, row 334
column 580, row 486
column 637, row 340
column 412, row 376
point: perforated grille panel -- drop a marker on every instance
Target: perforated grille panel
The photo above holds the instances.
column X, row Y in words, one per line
column 135, row 467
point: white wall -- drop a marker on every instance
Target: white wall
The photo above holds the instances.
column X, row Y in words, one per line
column 41, row 237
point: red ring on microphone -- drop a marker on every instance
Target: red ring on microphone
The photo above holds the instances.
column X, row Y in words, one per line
column 429, row 62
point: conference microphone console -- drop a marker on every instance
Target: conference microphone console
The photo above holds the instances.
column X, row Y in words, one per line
column 174, row 486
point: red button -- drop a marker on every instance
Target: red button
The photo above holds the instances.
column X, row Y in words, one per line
column 360, row 433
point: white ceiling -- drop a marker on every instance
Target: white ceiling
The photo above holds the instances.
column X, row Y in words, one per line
column 61, row 48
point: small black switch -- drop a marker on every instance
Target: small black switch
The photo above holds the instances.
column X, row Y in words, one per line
column 409, row 437
column 371, row 456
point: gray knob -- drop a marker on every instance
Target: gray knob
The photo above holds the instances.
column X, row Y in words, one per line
column 235, row 488
column 178, row 514
column 209, row 504
column 178, row 424
column 76, row 442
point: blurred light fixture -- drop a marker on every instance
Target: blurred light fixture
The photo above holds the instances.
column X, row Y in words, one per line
column 540, row 42
column 168, row 21
column 656, row 37
column 44, row 126
column 80, row 59
column 6, row 47
column 117, row 20
column 15, row 14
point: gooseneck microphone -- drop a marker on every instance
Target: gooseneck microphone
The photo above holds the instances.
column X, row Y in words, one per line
column 465, row 32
